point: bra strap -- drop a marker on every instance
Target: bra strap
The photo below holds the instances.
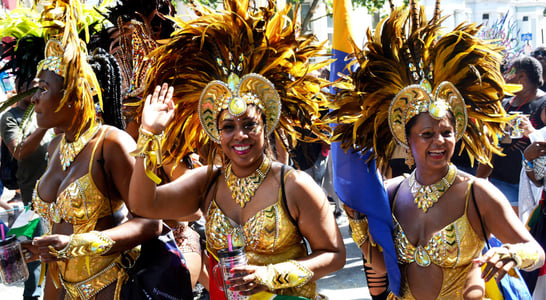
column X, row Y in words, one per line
column 95, row 148
column 479, row 214
column 285, row 203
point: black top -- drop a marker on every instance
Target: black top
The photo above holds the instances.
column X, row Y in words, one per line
column 507, row 168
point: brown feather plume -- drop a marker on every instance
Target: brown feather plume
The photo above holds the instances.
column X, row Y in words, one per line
column 242, row 40
column 385, row 67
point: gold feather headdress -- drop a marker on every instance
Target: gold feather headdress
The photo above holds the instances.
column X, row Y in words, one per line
column 66, row 55
column 222, row 47
column 408, row 67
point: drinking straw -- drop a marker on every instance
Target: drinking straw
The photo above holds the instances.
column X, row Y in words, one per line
column 3, row 234
column 230, row 246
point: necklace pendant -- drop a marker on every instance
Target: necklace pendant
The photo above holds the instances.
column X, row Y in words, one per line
column 69, row 151
column 243, row 189
column 426, row 195
column 421, row 257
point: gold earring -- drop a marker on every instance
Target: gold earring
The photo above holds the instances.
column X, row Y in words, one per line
column 409, row 159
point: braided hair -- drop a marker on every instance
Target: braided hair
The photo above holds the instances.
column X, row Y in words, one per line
column 108, row 74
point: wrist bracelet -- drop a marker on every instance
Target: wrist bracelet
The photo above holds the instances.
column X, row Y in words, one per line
column 149, row 148
column 526, row 257
column 84, row 244
column 284, row 275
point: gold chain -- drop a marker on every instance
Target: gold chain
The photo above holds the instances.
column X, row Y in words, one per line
column 243, row 189
column 426, row 195
column 69, row 151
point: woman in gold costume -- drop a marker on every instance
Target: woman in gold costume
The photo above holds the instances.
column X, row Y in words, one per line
column 82, row 192
column 238, row 76
column 425, row 91
column 139, row 24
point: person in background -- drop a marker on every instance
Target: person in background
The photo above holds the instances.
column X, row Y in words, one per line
column 540, row 54
column 505, row 170
column 532, row 210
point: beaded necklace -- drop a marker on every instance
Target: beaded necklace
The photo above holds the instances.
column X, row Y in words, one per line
column 243, row 189
column 426, row 195
column 69, row 150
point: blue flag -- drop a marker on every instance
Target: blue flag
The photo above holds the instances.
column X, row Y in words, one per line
column 358, row 184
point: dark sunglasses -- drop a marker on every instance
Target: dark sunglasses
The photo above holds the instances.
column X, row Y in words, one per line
column 537, row 53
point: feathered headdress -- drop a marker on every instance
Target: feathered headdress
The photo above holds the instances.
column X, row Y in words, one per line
column 226, row 45
column 66, row 55
column 408, row 67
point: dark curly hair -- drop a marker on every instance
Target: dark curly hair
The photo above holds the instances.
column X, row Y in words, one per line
column 531, row 66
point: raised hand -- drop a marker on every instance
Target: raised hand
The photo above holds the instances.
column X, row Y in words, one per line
column 158, row 109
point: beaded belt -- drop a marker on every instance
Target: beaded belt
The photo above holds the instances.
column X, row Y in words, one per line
column 88, row 288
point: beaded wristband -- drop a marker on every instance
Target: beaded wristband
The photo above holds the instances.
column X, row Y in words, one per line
column 526, row 258
column 359, row 228
column 84, row 244
column 284, row 275
column 149, row 148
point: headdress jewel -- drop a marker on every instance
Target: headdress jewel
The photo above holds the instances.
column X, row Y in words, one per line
column 236, row 95
column 53, row 60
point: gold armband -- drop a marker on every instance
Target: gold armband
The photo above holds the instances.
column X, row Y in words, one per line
column 359, row 227
column 526, row 257
column 149, row 147
column 360, row 230
column 284, row 275
column 84, row 244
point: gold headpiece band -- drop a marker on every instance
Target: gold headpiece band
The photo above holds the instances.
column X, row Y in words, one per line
column 235, row 96
column 415, row 99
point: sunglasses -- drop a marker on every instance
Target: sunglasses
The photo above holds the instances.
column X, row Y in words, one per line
column 537, row 53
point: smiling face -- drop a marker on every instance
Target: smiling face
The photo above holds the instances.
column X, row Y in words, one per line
column 432, row 141
column 46, row 101
column 242, row 139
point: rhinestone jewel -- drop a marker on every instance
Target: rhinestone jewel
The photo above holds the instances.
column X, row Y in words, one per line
column 421, row 257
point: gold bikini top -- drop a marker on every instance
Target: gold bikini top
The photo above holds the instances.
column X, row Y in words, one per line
column 453, row 246
column 269, row 237
column 452, row 249
column 269, row 231
column 81, row 203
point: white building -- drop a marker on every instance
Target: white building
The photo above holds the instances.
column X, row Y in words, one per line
column 527, row 18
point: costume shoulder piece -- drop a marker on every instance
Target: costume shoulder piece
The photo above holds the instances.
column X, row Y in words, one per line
column 243, row 52
column 408, row 67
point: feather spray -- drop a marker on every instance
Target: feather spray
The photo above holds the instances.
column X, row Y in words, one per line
column 404, row 50
column 240, row 39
